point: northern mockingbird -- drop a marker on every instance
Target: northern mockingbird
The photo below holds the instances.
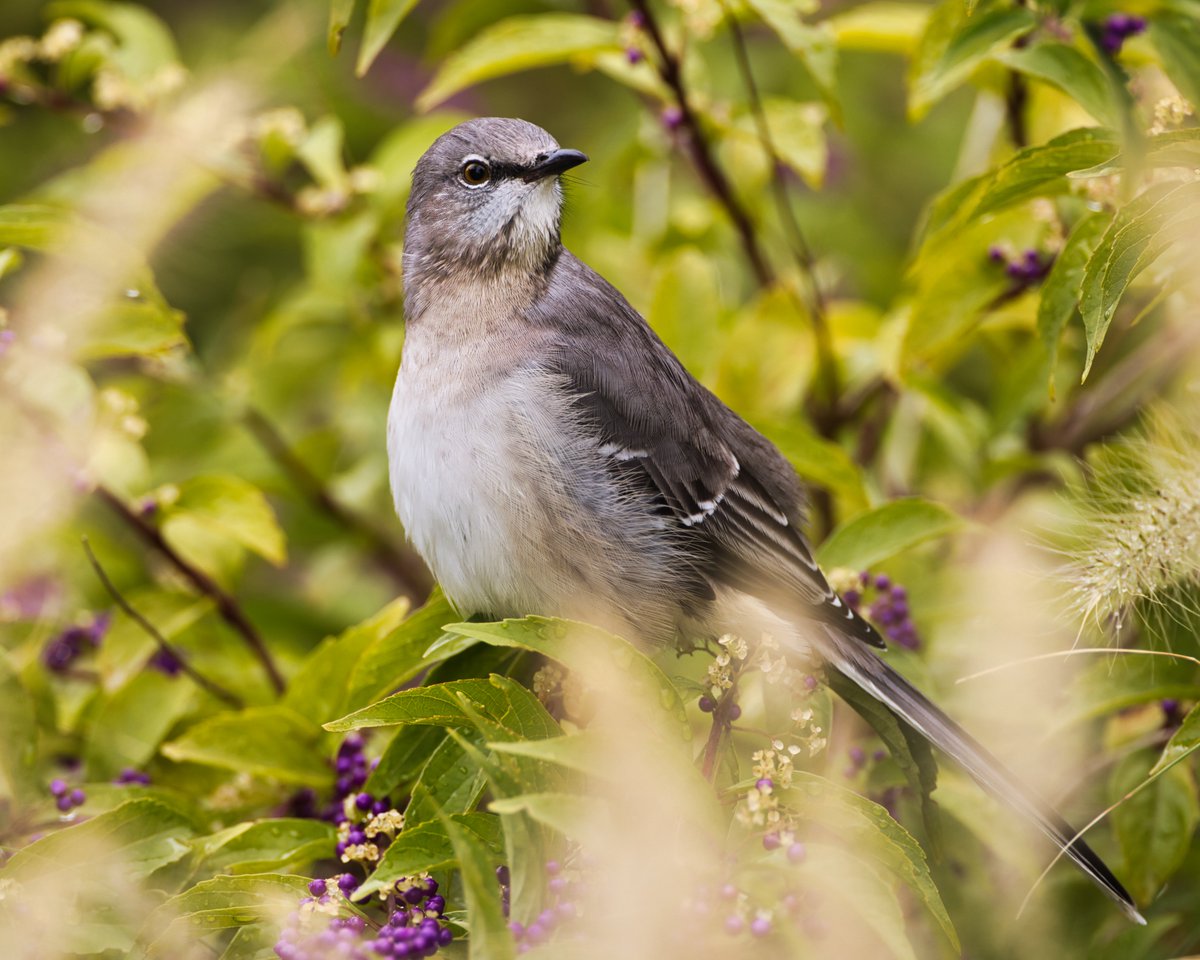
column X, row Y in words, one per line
column 550, row 455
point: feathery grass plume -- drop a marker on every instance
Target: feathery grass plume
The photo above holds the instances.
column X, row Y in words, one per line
column 1140, row 549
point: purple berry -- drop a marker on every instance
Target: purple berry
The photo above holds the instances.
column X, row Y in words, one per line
column 553, row 867
column 634, row 55
column 58, row 787
column 63, row 803
column 317, row 888
column 348, row 883
column 797, row 852
column 535, row 933
column 707, row 704
column 672, row 118
column 760, row 927
column 363, row 801
column 734, row 925
column 77, row 797
column 771, row 841
column 764, row 783
column 735, row 712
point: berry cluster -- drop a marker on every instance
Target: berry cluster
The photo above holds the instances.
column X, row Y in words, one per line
column 352, row 768
column 416, row 928
column 1025, row 270
column 1118, row 28
column 66, row 647
column 166, row 662
column 130, row 775
column 888, row 607
column 562, row 910
column 65, row 798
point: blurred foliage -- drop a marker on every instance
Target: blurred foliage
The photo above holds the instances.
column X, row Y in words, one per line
column 942, row 254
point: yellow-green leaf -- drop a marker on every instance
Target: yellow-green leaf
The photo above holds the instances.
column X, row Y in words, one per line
column 521, row 43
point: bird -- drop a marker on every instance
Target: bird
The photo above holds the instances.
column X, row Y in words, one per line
column 548, row 454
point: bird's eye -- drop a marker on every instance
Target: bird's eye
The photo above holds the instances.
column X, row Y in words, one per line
column 475, row 173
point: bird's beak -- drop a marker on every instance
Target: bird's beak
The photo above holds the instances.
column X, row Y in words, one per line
column 553, row 163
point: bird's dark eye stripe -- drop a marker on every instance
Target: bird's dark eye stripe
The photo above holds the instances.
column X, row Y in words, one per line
column 502, row 170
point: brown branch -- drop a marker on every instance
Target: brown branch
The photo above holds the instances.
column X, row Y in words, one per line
column 402, row 566
column 714, row 178
column 227, row 607
column 164, row 645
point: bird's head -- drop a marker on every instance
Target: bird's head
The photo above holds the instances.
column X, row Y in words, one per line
column 485, row 197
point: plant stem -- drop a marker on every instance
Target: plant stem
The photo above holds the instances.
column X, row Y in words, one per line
column 402, row 566
column 812, row 297
column 166, row 647
column 227, row 607
column 714, row 178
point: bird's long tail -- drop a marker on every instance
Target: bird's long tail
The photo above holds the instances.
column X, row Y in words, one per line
column 866, row 670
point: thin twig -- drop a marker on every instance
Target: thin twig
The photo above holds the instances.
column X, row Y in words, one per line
column 226, row 606
column 812, row 295
column 714, row 178
column 404, row 568
column 164, row 645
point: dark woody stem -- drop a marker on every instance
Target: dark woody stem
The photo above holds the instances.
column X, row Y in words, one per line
column 714, row 178
column 227, row 607
column 163, row 644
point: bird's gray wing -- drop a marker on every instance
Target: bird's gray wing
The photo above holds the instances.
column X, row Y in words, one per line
column 716, row 481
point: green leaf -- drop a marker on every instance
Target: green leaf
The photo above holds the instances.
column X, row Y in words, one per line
column 426, row 846
column 261, row 846
column 870, row 895
column 1154, row 826
column 383, row 17
column 136, row 839
column 505, row 708
column 340, row 12
column 128, row 725
column 1063, row 287
column 449, row 783
column 886, row 531
column 882, row 26
column 1176, row 36
column 814, row 44
column 224, row 903
column 568, row 813
column 403, row 759
column 226, row 508
column 953, row 47
column 320, row 688
column 798, row 134
column 573, row 645
column 321, row 152
column 144, row 43
column 391, row 660
column 18, row 745
column 1184, row 742
column 33, row 226
column 1070, row 71
column 490, row 938
column 870, row 831
column 1038, row 171
column 521, row 43
column 1132, row 241
column 270, row 742
column 133, row 328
